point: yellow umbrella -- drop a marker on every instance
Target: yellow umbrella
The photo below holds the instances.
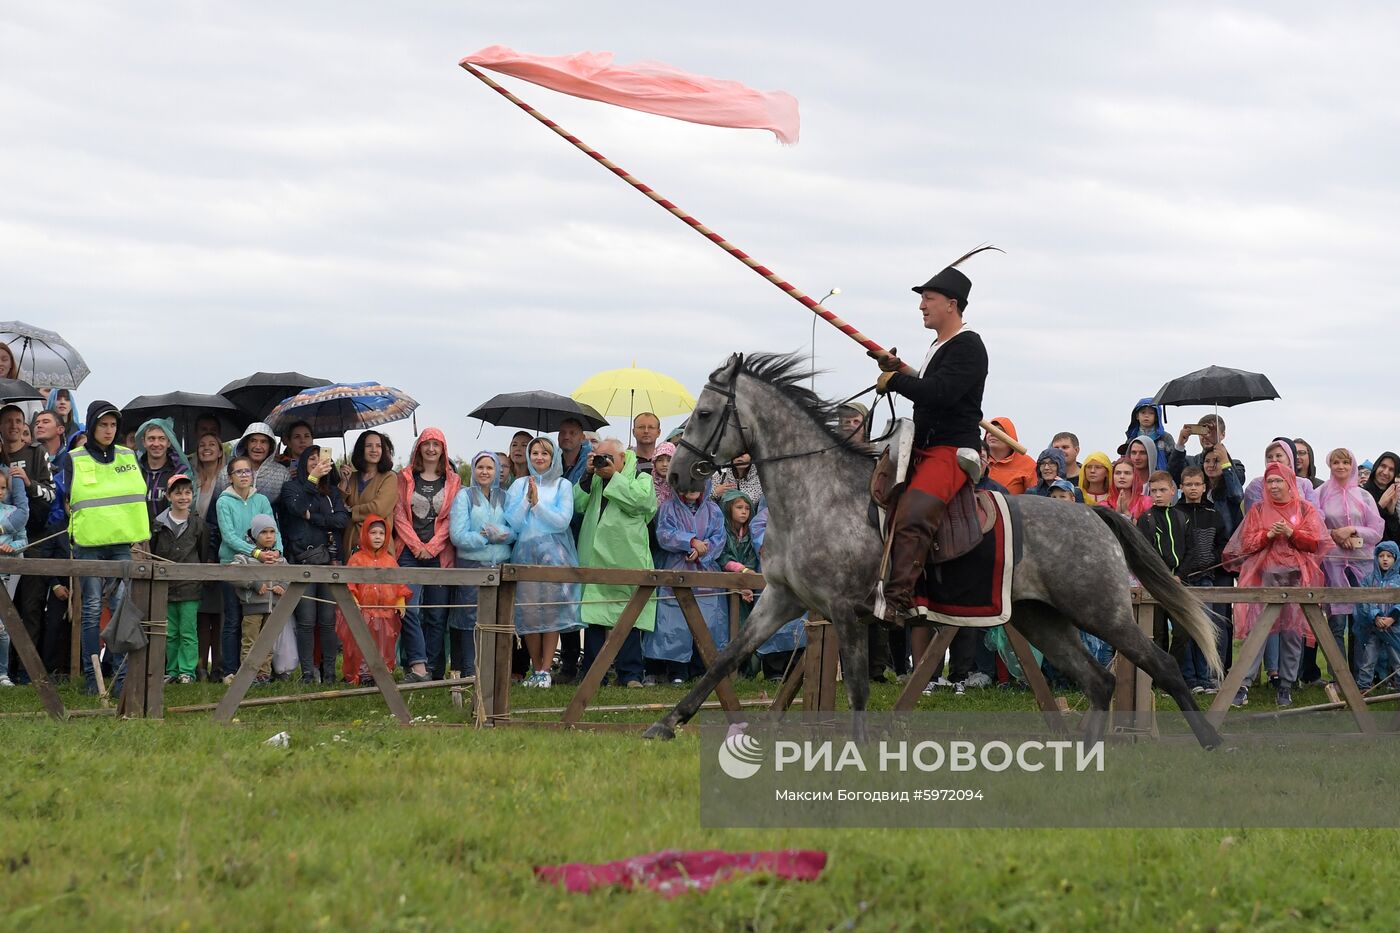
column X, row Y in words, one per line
column 630, row 390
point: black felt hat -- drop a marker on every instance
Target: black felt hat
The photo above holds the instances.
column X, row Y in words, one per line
column 952, row 282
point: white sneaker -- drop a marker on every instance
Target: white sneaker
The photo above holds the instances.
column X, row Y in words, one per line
column 959, row 688
column 978, row 680
column 5, row 681
column 543, row 680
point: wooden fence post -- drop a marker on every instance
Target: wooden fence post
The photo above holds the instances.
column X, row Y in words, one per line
column 277, row 620
column 821, row 661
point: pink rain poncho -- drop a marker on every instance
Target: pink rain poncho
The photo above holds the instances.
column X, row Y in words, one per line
column 1346, row 505
column 1284, row 560
column 674, row 872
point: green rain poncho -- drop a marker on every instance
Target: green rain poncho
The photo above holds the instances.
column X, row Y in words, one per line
column 616, row 537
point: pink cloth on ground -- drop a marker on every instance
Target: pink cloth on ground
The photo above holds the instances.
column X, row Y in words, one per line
column 652, row 87
column 674, row 871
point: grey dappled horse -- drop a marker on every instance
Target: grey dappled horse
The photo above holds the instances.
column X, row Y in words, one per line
column 821, row 553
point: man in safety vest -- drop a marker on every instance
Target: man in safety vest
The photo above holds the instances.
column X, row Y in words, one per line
column 947, row 400
column 106, row 499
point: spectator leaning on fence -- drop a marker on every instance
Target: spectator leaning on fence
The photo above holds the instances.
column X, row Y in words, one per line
column 180, row 536
column 617, row 502
column 14, row 512
column 481, row 537
column 107, row 505
column 538, row 510
column 236, row 507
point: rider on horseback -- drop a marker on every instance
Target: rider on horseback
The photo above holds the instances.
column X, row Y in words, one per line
column 947, row 414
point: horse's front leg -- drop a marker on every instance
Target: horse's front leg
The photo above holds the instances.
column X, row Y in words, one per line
column 774, row 609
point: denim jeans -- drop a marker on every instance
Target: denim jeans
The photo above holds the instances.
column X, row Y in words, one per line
column 461, row 621
column 91, row 589
column 628, row 664
column 231, row 635
column 311, row 616
column 424, row 634
column 1371, row 651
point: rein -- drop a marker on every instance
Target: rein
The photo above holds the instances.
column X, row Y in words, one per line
column 705, row 464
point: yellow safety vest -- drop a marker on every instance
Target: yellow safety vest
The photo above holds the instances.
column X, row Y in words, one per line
column 107, row 502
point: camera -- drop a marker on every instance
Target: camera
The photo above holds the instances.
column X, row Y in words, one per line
column 601, row 460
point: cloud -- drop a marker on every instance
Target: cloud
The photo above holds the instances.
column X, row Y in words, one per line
column 196, row 193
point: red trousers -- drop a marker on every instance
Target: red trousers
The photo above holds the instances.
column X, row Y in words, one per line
column 937, row 473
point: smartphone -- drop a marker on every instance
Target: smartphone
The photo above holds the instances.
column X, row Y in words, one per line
column 1198, row 430
column 327, row 455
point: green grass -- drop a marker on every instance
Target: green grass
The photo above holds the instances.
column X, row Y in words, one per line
column 362, row 824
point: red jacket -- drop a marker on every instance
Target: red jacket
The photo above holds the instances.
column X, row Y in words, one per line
column 404, row 535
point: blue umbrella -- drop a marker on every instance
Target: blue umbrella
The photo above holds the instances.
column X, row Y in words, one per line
column 334, row 409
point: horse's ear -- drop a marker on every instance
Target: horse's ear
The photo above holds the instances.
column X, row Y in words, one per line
column 729, row 370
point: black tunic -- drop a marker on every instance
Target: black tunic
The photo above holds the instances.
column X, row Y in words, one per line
column 948, row 396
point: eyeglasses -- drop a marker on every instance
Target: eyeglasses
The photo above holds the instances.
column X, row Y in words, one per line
column 243, row 472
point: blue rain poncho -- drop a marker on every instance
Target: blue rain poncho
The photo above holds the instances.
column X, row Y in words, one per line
column 792, row 635
column 677, row 523
column 542, row 537
column 1363, row 623
column 480, row 534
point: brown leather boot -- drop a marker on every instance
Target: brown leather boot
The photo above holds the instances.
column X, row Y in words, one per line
column 916, row 518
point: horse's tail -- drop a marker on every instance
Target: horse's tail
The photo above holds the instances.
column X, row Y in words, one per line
column 1183, row 606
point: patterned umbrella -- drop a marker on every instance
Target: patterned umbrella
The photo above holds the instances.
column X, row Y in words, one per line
column 347, row 406
column 45, row 359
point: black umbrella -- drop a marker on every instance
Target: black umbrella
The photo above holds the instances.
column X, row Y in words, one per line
column 259, row 393
column 1216, row 385
column 539, row 411
column 17, row 390
column 186, row 408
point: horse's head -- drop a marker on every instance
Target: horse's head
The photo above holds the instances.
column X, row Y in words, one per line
column 712, row 433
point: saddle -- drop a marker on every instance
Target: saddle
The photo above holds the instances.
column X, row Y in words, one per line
column 971, row 514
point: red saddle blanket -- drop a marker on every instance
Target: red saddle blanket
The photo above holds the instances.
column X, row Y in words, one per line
column 974, row 588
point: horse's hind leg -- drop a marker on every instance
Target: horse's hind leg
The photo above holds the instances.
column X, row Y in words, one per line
column 1120, row 630
column 1053, row 633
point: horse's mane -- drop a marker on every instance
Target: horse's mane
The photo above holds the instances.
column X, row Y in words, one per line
column 787, row 372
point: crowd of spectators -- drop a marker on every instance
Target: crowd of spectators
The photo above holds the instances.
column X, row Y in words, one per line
column 97, row 488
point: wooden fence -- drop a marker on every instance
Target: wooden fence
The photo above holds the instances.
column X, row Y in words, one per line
column 815, row 672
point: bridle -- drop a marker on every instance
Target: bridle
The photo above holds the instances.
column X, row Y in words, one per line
column 705, row 465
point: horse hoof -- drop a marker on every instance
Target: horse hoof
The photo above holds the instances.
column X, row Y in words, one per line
column 659, row 730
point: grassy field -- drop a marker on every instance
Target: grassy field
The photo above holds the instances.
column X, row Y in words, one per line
column 362, row 824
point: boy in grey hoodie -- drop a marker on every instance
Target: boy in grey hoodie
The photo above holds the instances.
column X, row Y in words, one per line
column 258, row 598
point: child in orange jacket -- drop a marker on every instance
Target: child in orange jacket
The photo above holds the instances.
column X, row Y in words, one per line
column 374, row 600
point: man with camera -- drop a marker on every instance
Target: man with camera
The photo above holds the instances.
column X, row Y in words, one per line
column 1211, row 431
column 617, row 502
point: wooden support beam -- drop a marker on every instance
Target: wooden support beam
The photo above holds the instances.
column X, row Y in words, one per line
column 276, row 620
column 383, row 677
column 29, row 657
column 594, row 678
column 1246, row 662
column 705, row 644
column 922, row 673
column 1035, row 678
column 1341, row 671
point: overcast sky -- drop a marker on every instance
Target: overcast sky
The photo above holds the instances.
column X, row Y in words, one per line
column 194, row 191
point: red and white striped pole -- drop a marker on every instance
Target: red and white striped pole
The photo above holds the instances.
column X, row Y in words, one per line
column 792, row 290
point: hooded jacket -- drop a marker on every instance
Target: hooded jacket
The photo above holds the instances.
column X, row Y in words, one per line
column 1158, row 435
column 1100, row 458
column 1056, row 456
column 235, row 517
column 311, row 517
column 157, row 479
column 1165, row 530
column 98, row 453
column 1389, row 518
column 1205, row 536
column 1364, row 622
column 181, row 544
column 1015, row 471
column 271, row 475
column 1254, row 492
column 404, row 535
column 478, row 526
column 377, row 594
column 72, row 425
column 614, row 534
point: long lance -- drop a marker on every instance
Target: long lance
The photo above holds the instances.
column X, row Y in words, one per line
column 791, row 290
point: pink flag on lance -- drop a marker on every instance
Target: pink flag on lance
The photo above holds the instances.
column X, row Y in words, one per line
column 652, row 87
